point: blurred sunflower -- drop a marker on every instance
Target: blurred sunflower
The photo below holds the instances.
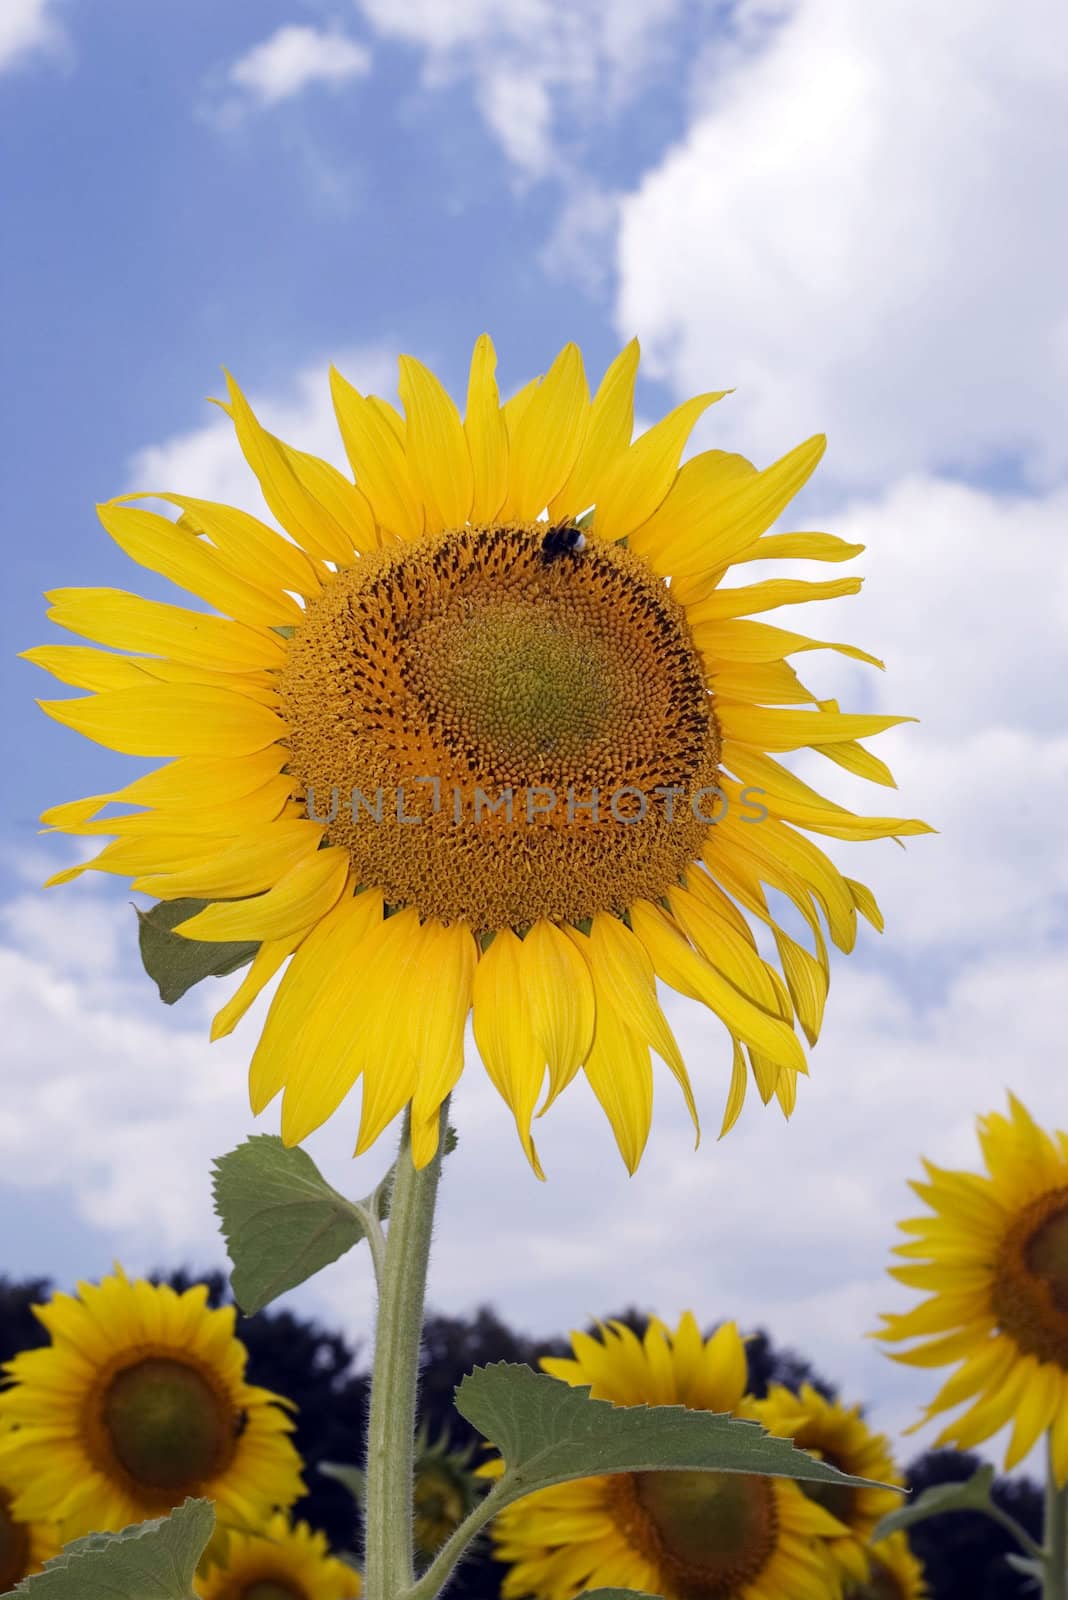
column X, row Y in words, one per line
column 582, row 726
column 838, row 1434
column 895, row 1573
column 284, row 1562
column 719, row 1535
column 24, row 1546
column 139, row 1401
column 993, row 1255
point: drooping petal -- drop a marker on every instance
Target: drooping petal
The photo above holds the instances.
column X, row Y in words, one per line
column 505, row 1038
column 300, row 897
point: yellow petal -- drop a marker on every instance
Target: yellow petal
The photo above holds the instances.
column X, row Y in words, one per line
column 487, row 433
column 635, row 486
column 268, row 960
column 736, row 1092
column 854, row 758
column 438, row 1020
column 741, row 640
column 302, row 1018
column 249, row 865
column 751, row 598
column 505, row 1038
column 771, row 729
column 800, row 547
column 436, row 448
column 736, row 508
column 166, row 720
column 187, row 785
column 607, row 437
column 248, row 544
column 559, row 991
column 680, row 966
column 298, row 511
column 378, row 460
column 300, row 898
column 159, row 544
column 547, row 437
column 618, row 1069
column 127, row 622
column 82, row 666
column 724, row 948
column 344, row 505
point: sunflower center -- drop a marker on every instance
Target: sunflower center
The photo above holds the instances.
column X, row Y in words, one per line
column 708, row 1533
column 167, row 1425
column 270, row 1589
column 496, row 736
column 14, row 1547
column 1030, row 1293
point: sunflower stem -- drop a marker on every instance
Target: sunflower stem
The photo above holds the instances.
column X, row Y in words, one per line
column 1055, row 1534
column 394, row 1379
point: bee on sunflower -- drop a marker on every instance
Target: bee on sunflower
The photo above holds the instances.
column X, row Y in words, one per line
column 433, row 766
column 138, row 1402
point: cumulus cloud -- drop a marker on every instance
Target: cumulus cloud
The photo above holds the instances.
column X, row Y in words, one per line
column 856, row 230
column 534, row 63
column 27, row 28
column 294, row 58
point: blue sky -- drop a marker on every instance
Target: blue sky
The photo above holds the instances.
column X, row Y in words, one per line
column 842, row 211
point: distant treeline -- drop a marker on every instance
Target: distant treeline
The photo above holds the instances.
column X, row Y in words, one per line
column 327, row 1378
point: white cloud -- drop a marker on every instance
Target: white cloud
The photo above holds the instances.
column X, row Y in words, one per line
column 27, row 27
column 857, row 231
column 294, row 58
column 534, row 63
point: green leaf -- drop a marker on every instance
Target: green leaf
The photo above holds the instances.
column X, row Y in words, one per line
column 971, row 1495
column 549, row 1432
column 153, row 1561
column 177, row 964
column 281, row 1219
column 354, row 1479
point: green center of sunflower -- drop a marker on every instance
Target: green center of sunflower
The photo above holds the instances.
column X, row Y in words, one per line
column 168, row 1426
column 14, row 1546
column 270, row 1589
column 507, row 736
column 708, row 1533
column 1030, row 1291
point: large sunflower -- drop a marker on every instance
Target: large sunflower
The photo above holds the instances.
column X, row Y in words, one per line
column 24, row 1546
column 717, row 1535
column 139, row 1401
column 993, row 1256
column 838, row 1434
column 284, row 1562
column 443, row 756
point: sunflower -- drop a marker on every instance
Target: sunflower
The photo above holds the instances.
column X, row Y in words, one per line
column 895, row 1573
column 24, row 1546
column 716, row 1535
column 838, row 1434
column 993, row 1255
column 139, row 1401
column 284, row 1562
column 446, row 751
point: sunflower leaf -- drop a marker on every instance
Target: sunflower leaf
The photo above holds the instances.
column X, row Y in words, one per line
column 971, row 1495
column 281, row 1219
column 176, row 964
column 354, row 1479
column 549, row 1432
column 156, row 1559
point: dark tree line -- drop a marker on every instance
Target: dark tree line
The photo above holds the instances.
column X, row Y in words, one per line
column 327, row 1379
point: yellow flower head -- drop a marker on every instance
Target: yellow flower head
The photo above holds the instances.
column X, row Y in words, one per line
column 443, row 750
column 284, row 1562
column 992, row 1255
column 838, row 1434
column 719, row 1535
column 140, row 1400
column 24, row 1546
column 895, row 1573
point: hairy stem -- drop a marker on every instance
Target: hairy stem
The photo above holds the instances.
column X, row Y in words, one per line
column 391, row 1431
column 1055, row 1534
